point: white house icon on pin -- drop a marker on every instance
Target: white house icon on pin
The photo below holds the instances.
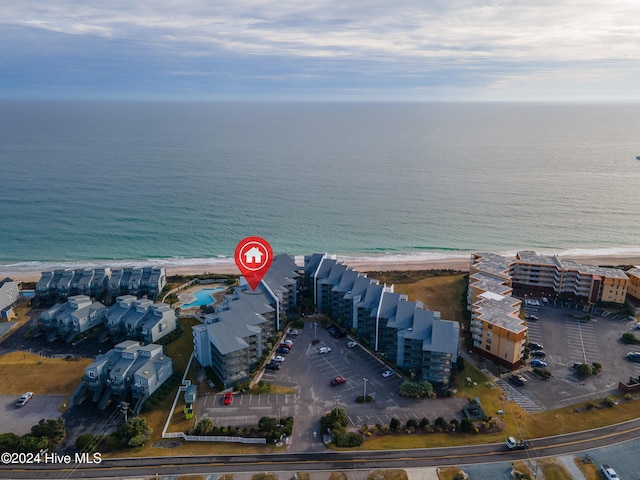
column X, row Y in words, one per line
column 253, row 255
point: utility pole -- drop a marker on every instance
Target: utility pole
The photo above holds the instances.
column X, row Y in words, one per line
column 124, row 408
column 364, row 395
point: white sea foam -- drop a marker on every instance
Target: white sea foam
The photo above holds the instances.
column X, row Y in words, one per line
column 210, row 264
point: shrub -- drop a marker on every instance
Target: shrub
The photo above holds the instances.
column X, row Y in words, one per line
column 629, row 338
column 466, row 425
column 395, row 424
column 584, row 369
column 412, row 423
column 349, row 439
column 86, row 442
column 441, row 424
column 416, row 389
column 608, row 402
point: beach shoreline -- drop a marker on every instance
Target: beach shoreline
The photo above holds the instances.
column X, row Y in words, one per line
column 361, row 264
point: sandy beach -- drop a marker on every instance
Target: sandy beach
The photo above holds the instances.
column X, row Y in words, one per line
column 368, row 264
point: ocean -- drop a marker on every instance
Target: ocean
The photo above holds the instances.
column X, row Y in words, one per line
column 169, row 183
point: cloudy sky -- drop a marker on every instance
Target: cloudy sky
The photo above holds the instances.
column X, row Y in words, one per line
column 321, row 49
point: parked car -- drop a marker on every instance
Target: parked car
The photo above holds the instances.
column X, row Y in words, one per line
column 24, row 398
column 351, row 344
column 535, row 346
column 324, row 349
column 339, row 334
column 388, row 373
column 531, row 318
column 634, row 356
column 518, row 380
column 294, row 332
column 338, row 381
column 288, row 343
column 284, row 345
column 282, row 350
column 278, row 358
column 538, row 363
column 228, row 398
column 273, row 366
column 532, row 303
column 539, row 353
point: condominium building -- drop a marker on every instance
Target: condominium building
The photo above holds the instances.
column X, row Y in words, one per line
column 497, row 330
column 634, row 283
column 143, row 320
column 235, row 335
column 128, row 372
column 412, row 338
column 69, row 319
column 548, row 275
column 62, row 283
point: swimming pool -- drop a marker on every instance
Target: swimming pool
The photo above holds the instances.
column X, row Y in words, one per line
column 203, row 297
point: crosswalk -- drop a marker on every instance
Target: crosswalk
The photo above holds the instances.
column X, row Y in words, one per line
column 514, row 394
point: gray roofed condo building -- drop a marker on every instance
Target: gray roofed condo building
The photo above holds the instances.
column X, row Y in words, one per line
column 130, row 371
column 233, row 338
column 414, row 339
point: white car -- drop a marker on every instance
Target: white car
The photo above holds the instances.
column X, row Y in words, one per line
column 24, row 398
column 278, row 358
column 288, row 343
column 324, row 349
column 351, row 344
column 388, row 373
column 294, row 332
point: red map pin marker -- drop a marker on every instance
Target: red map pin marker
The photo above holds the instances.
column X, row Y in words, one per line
column 253, row 257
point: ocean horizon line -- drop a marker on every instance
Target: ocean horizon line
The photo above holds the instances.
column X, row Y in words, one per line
column 210, row 263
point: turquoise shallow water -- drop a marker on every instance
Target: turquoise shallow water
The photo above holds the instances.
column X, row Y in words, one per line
column 182, row 183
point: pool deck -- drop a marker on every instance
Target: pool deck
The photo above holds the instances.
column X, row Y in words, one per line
column 187, row 296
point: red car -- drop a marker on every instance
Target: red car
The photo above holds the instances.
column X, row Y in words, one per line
column 338, row 381
column 228, row 398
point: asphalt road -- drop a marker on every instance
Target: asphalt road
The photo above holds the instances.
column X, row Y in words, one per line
column 120, row 468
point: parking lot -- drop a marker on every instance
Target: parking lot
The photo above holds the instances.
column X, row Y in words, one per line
column 569, row 337
column 311, row 372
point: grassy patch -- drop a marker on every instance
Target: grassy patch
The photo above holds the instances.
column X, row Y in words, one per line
column 439, row 293
column 22, row 371
column 553, row 469
column 588, row 469
column 448, row 473
column 393, row 474
column 338, row 476
column 264, row 476
column 523, row 468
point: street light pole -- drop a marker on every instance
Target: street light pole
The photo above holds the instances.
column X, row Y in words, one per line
column 364, row 396
column 315, row 332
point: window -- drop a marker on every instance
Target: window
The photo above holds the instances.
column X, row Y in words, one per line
column 488, row 347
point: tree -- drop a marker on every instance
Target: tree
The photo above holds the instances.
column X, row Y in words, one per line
column 51, row 429
column 441, row 424
column 416, row 389
column 466, row 425
column 395, row 424
column 584, row 369
column 204, row 427
column 134, row 433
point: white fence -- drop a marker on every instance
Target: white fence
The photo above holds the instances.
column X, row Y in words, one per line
column 213, row 438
